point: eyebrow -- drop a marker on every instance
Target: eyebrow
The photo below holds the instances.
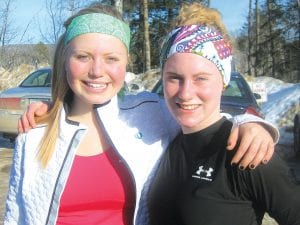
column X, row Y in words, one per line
column 193, row 75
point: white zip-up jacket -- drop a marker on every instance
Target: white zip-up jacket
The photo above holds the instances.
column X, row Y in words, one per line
column 140, row 129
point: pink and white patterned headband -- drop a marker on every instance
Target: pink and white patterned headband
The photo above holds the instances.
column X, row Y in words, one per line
column 201, row 40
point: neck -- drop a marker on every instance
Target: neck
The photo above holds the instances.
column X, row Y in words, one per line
column 81, row 113
column 203, row 124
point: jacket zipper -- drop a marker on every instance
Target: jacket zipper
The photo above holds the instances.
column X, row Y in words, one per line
column 120, row 157
column 59, row 174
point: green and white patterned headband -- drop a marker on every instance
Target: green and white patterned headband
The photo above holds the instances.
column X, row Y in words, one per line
column 98, row 23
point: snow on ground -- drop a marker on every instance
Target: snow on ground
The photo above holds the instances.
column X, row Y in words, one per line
column 281, row 97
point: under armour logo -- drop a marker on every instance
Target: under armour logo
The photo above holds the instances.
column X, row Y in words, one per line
column 201, row 172
column 208, row 172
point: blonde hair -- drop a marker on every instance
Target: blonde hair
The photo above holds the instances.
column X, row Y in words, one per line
column 196, row 14
column 61, row 92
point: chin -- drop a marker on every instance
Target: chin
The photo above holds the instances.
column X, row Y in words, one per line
column 187, row 124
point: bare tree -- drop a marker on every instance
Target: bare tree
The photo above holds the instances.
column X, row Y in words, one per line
column 118, row 4
column 257, row 34
column 146, row 36
column 299, row 20
column 271, row 40
column 7, row 31
column 72, row 6
column 52, row 26
column 57, row 12
column 249, row 38
column 208, row 3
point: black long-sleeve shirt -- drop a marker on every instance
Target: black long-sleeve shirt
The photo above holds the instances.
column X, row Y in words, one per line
column 196, row 184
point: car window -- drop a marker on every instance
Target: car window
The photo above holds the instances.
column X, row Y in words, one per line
column 159, row 88
column 236, row 88
column 233, row 89
column 37, row 79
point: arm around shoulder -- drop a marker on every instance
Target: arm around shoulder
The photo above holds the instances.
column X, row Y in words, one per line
column 248, row 118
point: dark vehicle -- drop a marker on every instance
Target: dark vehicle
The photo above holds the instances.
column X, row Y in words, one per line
column 236, row 99
column 297, row 134
column 14, row 101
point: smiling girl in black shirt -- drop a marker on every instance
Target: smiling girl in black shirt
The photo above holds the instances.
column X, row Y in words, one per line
column 195, row 183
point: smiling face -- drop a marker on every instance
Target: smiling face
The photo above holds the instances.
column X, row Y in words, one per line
column 192, row 88
column 96, row 67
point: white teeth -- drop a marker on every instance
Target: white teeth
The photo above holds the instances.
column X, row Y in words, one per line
column 188, row 107
column 96, row 85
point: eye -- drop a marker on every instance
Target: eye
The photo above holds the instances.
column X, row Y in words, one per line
column 174, row 79
column 201, row 78
column 112, row 59
column 82, row 57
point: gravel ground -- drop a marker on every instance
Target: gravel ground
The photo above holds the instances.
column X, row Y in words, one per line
column 6, row 155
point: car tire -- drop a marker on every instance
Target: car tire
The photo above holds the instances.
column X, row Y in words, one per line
column 297, row 134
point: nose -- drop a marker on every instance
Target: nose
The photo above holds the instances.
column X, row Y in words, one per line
column 186, row 89
column 97, row 68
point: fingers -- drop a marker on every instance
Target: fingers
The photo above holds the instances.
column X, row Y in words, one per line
column 270, row 152
column 20, row 126
column 242, row 149
column 256, row 146
column 29, row 116
column 258, row 157
column 27, row 120
column 264, row 154
column 233, row 138
column 23, row 124
column 255, row 151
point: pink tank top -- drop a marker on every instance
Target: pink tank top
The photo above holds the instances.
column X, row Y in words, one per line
column 99, row 190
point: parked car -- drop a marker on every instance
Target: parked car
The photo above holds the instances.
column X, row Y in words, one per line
column 236, row 99
column 35, row 87
column 297, row 134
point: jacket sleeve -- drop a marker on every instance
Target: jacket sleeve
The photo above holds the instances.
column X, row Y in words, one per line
column 13, row 214
column 248, row 118
column 273, row 187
